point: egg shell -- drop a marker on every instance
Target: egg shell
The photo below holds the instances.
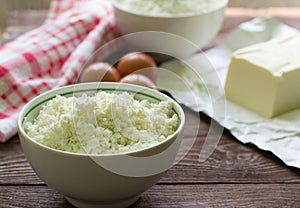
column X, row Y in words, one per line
column 100, row 71
column 138, row 62
column 139, row 79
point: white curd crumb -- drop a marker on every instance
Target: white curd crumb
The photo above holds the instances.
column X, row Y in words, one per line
column 169, row 8
column 102, row 124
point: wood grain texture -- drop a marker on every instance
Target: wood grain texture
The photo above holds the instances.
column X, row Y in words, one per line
column 231, row 162
column 235, row 175
column 30, row 197
column 169, row 196
column 14, row 168
column 221, row 195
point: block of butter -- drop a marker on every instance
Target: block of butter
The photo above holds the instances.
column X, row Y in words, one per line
column 265, row 77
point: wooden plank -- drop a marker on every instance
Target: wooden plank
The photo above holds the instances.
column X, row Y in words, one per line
column 14, row 168
column 31, row 196
column 231, row 162
column 170, row 196
column 221, row 195
column 236, row 175
column 19, row 22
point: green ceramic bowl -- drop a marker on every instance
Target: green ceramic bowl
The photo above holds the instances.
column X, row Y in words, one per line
column 110, row 180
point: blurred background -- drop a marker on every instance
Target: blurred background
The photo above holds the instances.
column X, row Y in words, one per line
column 10, row 11
column 264, row 3
column 20, row 15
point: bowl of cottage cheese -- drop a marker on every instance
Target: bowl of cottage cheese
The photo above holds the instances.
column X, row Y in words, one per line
column 195, row 20
column 101, row 143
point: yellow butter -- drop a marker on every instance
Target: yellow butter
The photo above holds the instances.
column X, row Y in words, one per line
column 265, row 77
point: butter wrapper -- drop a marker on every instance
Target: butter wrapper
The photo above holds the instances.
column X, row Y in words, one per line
column 280, row 135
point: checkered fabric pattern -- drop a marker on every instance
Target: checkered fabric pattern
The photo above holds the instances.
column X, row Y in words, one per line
column 51, row 55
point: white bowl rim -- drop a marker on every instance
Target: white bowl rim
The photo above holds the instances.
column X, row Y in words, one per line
column 96, row 86
column 221, row 7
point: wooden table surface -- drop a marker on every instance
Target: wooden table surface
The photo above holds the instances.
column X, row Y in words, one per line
column 235, row 175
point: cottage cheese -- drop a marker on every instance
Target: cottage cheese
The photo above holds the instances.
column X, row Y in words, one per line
column 102, row 124
column 169, row 7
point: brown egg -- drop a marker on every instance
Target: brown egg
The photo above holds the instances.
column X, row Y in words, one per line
column 100, row 71
column 138, row 62
column 139, row 79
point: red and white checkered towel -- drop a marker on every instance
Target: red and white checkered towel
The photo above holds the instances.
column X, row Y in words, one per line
column 51, row 55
